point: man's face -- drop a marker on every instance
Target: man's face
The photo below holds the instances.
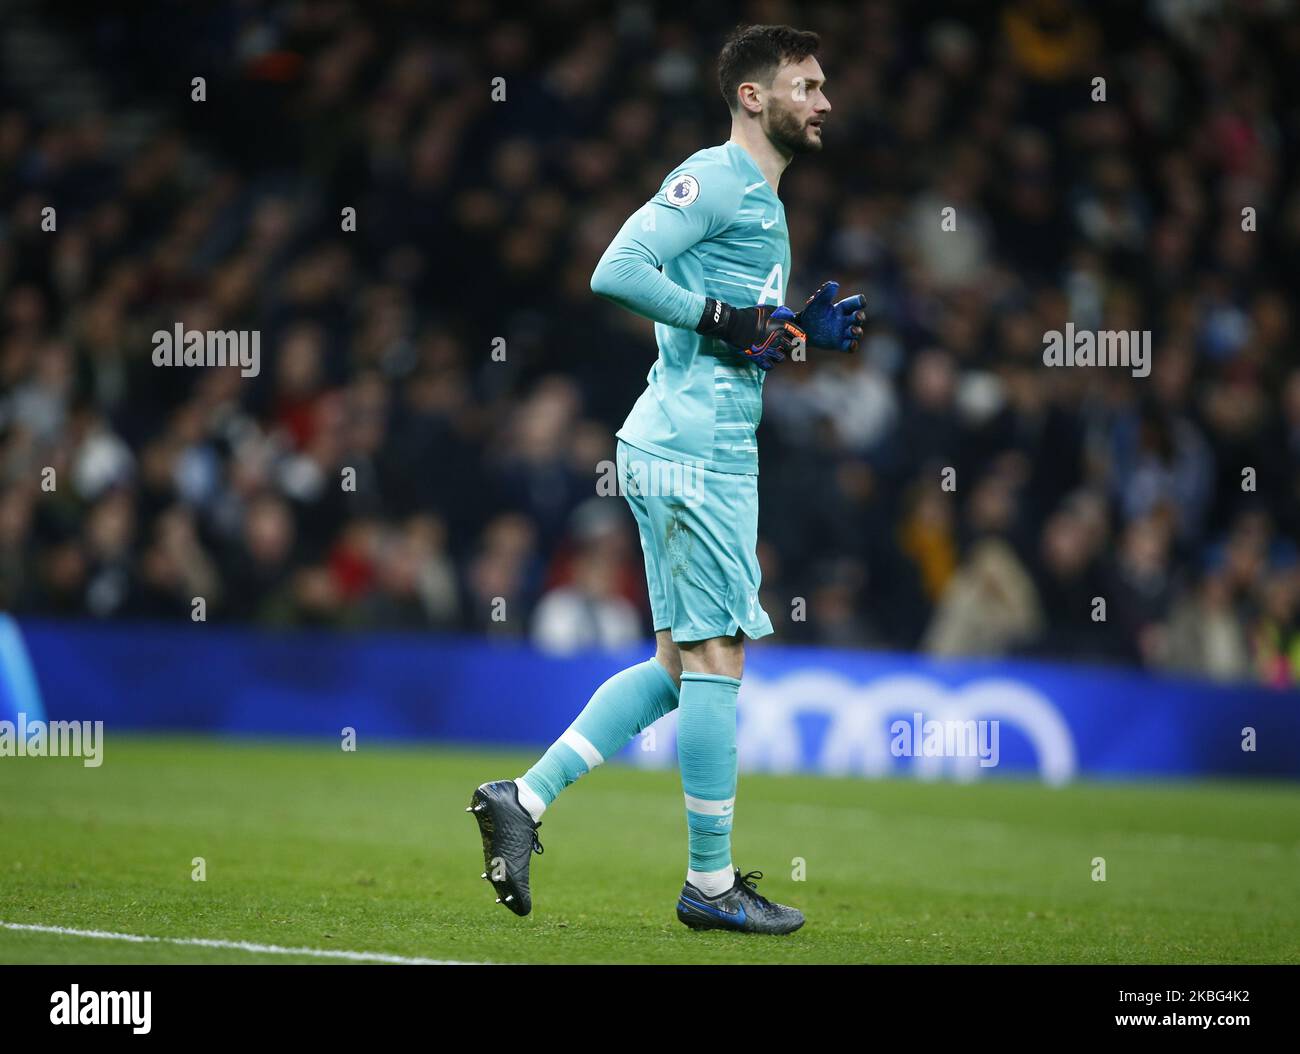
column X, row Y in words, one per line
column 795, row 106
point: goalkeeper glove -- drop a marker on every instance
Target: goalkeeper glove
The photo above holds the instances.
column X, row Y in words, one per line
column 830, row 324
column 764, row 335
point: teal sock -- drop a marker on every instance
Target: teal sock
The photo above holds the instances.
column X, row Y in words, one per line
column 706, row 751
column 628, row 702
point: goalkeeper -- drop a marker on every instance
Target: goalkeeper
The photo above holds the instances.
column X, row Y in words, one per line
column 707, row 259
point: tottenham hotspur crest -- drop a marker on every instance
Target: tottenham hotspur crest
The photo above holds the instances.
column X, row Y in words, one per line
column 682, row 191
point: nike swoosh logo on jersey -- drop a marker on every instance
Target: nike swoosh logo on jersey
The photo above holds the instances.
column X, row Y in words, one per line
column 755, row 186
column 767, row 223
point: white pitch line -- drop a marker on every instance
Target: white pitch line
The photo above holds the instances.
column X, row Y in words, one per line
column 243, row 946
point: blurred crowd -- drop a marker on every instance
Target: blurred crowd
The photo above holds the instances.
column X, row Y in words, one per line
column 439, row 387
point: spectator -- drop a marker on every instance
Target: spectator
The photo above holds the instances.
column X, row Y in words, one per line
column 439, row 388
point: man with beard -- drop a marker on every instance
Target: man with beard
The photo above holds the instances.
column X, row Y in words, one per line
column 707, row 259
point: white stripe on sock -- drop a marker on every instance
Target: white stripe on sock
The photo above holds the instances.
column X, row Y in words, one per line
column 710, row 808
column 581, row 745
column 712, row 883
column 530, row 799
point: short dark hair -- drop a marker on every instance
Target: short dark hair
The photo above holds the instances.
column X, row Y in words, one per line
column 755, row 53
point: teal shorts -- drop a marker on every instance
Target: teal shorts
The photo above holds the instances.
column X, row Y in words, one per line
column 699, row 533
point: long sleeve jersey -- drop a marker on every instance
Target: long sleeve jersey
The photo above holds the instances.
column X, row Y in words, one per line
column 715, row 229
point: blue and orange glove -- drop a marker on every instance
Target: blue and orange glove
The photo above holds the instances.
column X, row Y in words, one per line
column 764, row 335
column 830, row 324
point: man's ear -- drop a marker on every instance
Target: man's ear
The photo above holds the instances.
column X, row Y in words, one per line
column 750, row 101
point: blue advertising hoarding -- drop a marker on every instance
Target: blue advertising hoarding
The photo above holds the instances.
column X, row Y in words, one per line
column 801, row 709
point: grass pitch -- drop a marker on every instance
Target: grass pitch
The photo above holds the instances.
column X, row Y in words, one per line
column 306, row 846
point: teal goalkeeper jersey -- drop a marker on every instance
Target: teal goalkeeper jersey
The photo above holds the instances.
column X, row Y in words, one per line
column 715, row 229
